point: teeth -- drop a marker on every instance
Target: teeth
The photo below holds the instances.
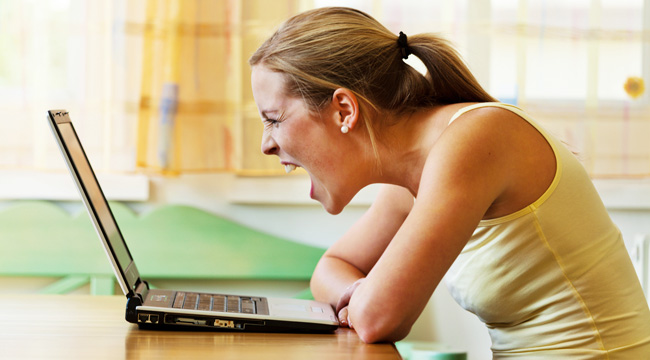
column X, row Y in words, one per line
column 289, row 168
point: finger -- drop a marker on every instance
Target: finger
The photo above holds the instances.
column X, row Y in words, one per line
column 345, row 298
column 343, row 317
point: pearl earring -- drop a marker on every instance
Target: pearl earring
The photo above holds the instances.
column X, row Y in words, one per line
column 345, row 129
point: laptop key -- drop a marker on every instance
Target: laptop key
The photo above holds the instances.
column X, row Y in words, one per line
column 178, row 300
column 219, row 303
column 191, row 300
column 205, row 302
column 247, row 306
column 233, row 304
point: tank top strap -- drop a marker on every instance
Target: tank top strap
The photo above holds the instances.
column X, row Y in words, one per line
column 480, row 105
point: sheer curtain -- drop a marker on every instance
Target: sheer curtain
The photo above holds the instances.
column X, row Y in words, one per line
column 569, row 66
column 154, row 86
column 163, row 86
column 72, row 55
column 195, row 103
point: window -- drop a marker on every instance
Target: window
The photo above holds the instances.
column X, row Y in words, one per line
column 65, row 54
column 563, row 62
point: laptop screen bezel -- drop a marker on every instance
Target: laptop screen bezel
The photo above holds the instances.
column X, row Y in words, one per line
column 128, row 277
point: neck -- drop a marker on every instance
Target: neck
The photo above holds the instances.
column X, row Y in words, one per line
column 405, row 146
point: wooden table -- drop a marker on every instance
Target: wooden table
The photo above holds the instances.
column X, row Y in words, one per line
column 93, row 327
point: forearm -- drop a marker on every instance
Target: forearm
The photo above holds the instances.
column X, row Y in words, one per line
column 332, row 277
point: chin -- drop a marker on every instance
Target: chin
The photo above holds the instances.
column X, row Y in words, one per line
column 334, row 207
column 332, row 210
column 332, row 204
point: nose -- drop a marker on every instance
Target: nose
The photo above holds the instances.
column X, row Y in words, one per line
column 269, row 146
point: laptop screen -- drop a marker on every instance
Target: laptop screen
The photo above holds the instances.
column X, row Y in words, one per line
column 94, row 200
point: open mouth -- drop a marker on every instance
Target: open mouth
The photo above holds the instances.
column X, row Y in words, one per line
column 290, row 167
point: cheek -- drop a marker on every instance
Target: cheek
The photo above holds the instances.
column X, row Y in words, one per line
column 300, row 141
column 309, row 142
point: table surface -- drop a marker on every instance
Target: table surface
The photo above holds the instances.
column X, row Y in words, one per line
column 93, row 327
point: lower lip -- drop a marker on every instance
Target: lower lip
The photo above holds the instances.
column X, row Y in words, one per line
column 311, row 191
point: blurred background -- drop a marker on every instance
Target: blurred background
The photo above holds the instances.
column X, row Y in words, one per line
column 159, row 92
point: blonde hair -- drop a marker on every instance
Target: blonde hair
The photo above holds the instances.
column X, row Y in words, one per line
column 324, row 49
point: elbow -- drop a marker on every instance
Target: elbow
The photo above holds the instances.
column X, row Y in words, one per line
column 377, row 333
column 375, row 327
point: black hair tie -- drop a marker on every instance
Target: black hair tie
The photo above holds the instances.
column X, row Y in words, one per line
column 402, row 42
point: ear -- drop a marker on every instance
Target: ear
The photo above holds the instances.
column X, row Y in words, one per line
column 345, row 103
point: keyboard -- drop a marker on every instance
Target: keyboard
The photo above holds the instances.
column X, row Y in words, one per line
column 215, row 302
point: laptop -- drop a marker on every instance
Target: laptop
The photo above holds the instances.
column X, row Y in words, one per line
column 160, row 308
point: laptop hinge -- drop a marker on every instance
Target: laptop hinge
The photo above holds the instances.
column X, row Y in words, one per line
column 135, row 300
column 142, row 289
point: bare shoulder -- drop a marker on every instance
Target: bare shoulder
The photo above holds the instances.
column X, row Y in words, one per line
column 494, row 122
column 494, row 132
column 497, row 153
column 477, row 136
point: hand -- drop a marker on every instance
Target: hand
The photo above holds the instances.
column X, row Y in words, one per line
column 342, row 305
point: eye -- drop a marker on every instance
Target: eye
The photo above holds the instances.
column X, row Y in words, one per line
column 270, row 123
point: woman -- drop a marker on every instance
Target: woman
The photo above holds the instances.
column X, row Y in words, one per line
column 474, row 189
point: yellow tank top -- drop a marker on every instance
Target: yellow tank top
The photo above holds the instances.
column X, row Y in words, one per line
column 554, row 278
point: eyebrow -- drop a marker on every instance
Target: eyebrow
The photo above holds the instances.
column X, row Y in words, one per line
column 265, row 113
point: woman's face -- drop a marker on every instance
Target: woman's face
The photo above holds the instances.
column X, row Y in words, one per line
column 301, row 139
